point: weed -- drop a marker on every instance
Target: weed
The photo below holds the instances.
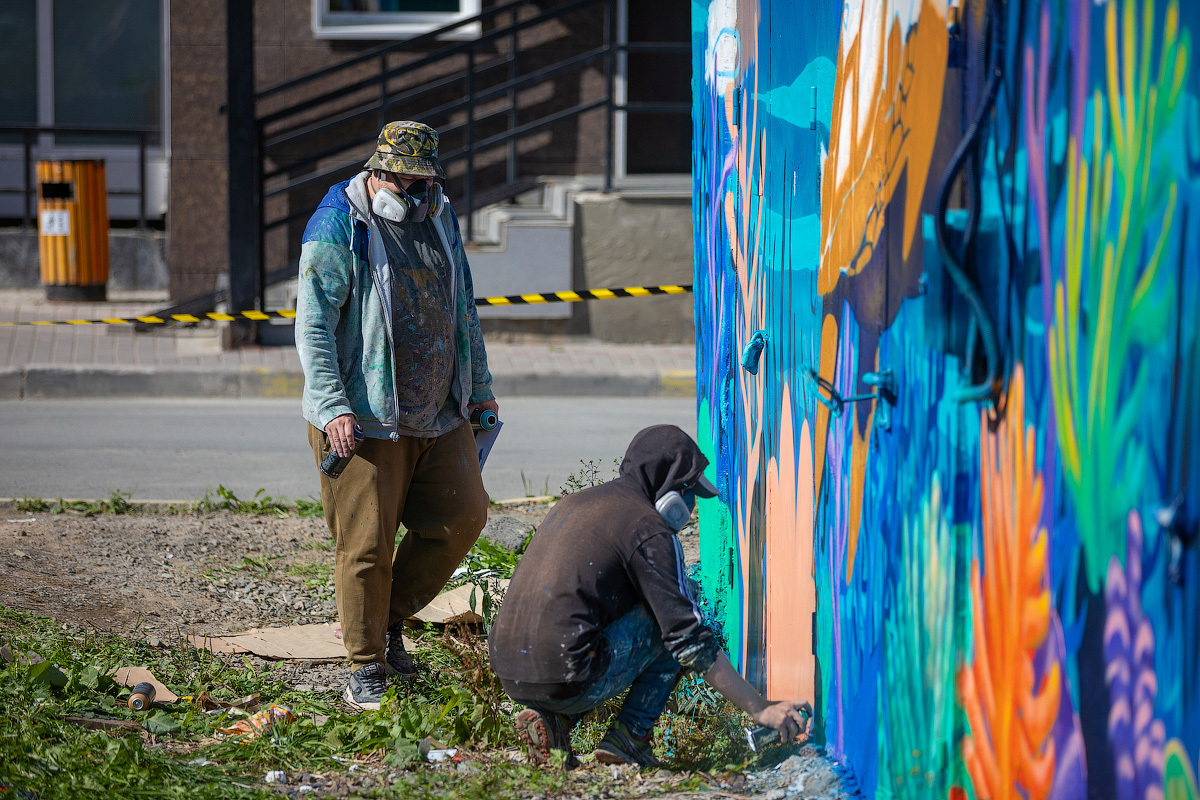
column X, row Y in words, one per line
column 587, row 475
column 485, row 565
column 259, row 566
column 117, row 503
column 224, row 500
column 309, row 507
column 32, row 505
column 315, row 569
column 530, row 487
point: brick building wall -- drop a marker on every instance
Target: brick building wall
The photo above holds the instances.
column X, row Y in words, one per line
column 285, row 48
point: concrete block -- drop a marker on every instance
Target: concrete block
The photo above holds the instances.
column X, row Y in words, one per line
column 534, row 259
column 263, row 382
column 137, row 260
column 11, row 382
column 575, row 385
column 50, row 381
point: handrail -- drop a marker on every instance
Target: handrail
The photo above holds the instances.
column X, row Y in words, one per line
column 388, row 49
column 28, row 132
column 308, row 141
column 432, row 58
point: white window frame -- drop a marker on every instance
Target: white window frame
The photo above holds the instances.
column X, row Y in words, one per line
column 391, row 24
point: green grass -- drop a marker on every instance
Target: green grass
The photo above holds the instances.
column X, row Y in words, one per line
column 456, row 699
column 220, row 499
column 117, row 503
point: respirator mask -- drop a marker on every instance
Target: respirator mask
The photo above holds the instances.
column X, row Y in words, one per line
column 419, row 201
column 675, row 509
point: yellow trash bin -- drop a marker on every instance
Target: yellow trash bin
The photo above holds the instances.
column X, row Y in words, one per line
column 73, row 229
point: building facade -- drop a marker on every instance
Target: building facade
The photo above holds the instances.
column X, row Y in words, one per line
column 326, row 75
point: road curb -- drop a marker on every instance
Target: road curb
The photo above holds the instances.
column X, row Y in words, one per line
column 54, row 381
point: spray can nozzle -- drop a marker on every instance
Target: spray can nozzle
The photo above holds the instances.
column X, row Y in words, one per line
column 484, row 419
column 142, row 697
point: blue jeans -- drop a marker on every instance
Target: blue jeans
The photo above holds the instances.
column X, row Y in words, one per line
column 637, row 661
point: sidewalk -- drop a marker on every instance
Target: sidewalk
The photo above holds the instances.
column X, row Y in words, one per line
column 59, row 361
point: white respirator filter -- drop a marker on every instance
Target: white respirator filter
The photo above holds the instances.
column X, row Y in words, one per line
column 674, row 510
column 390, row 206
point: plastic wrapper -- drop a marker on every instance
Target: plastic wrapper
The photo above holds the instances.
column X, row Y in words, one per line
column 252, row 726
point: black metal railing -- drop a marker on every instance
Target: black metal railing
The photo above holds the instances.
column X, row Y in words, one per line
column 321, row 127
column 31, row 133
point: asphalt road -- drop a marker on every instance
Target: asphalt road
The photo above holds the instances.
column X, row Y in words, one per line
column 168, row 449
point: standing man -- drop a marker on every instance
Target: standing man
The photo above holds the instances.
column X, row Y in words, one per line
column 390, row 345
column 600, row 603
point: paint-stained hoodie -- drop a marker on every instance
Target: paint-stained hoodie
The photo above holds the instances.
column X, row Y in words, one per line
column 599, row 553
column 344, row 318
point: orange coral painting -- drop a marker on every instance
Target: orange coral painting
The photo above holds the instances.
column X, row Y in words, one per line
column 1009, row 754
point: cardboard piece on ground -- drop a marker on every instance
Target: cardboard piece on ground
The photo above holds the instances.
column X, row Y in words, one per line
column 295, row 642
column 454, row 606
column 132, row 676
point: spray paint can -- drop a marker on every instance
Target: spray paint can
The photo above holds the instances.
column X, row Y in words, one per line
column 483, row 419
column 763, row 736
column 142, row 697
column 333, row 464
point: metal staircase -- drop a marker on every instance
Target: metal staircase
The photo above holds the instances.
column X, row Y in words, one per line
column 490, row 98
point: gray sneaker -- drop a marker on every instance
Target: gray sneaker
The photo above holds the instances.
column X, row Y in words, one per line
column 396, row 660
column 366, row 686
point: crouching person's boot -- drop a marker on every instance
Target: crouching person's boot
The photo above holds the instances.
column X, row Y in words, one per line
column 544, row 732
column 621, row 746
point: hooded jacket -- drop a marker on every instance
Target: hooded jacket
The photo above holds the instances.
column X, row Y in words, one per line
column 344, row 318
column 599, row 553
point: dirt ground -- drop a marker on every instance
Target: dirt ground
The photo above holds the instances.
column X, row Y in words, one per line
column 159, row 576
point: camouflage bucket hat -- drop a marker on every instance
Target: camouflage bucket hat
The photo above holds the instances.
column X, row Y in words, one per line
column 408, row 148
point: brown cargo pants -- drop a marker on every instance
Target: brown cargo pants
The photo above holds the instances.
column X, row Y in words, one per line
column 433, row 488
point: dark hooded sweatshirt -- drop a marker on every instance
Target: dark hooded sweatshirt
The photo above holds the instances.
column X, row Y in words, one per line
column 598, row 554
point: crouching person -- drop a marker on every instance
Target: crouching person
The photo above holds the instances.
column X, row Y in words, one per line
column 600, row 603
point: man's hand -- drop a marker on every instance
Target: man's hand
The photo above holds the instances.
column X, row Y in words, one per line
column 786, row 717
column 789, row 718
column 490, row 405
column 340, row 431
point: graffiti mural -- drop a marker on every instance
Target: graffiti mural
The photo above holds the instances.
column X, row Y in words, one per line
column 947, row 271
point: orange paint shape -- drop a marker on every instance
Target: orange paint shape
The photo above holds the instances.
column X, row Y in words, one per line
column 886, row 107
column 829, row 352
column 1009, row 754
column 791, row 592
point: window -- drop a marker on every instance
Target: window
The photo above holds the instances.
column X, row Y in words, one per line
column 108, row 65
column 391, row 19
column 18, row 63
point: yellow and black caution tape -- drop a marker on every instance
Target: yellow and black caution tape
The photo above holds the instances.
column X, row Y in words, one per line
column 582, row 294
column 289, row 313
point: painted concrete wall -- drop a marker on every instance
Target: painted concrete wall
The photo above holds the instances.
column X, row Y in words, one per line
column 988, row 580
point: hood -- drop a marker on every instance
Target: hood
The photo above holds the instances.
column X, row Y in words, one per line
column 358, row 199
column 350, row 197
column 662, row 458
